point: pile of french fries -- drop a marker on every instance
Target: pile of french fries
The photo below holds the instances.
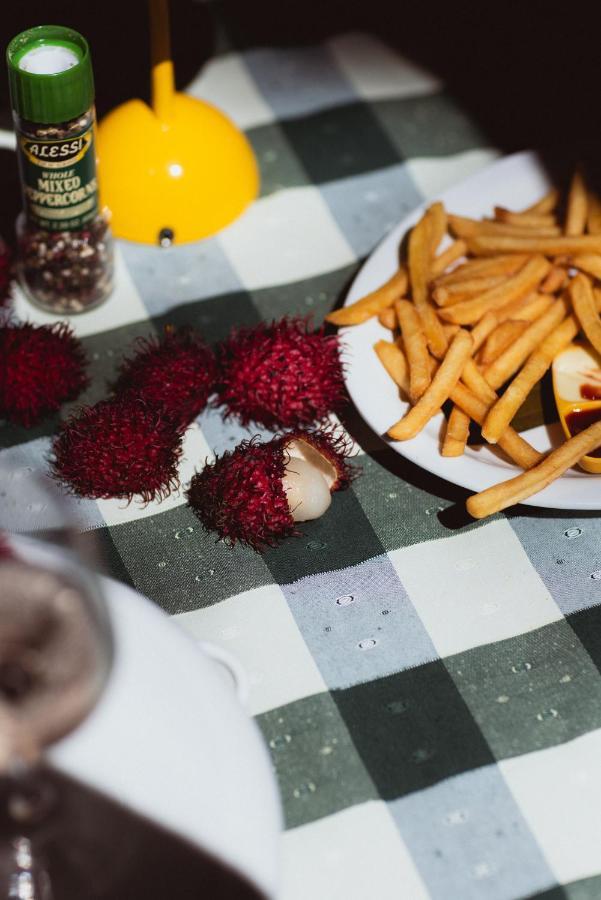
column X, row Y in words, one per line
column 491, row 309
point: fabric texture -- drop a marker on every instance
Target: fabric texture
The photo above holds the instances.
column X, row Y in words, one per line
column 429, row 688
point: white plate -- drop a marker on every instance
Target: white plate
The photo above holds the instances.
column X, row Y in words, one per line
column 515, row 182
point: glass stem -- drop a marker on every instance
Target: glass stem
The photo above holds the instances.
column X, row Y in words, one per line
column 29, row 880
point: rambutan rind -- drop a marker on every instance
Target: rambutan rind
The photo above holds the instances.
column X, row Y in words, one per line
column 176, row 373
column 118, row 448
column 241, row 494
column 280, row 375
column 41, row 367
column 5, row 550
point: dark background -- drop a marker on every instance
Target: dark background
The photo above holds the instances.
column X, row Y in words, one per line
column 528, row 73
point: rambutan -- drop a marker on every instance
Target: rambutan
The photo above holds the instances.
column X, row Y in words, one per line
column 176, row 373
column 256, row 493
column 118, row 448
column 280, row 375
column 41, row 367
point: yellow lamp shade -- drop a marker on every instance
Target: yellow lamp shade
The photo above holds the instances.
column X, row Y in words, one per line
column 188, row 177
column 176, row 172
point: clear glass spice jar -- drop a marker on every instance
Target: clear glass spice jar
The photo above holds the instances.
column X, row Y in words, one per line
column 65, row 249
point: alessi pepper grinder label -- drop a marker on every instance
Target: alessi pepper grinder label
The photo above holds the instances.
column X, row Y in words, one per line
column 59, row 179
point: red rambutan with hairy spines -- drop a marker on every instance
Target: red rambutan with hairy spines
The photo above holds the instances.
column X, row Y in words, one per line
column 280, row 375
column 176, row 373
column 241, row 494
column 41, row 367
column 118, row 448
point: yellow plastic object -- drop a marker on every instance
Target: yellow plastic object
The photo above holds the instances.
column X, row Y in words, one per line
column 569, row 368
column 176, row 172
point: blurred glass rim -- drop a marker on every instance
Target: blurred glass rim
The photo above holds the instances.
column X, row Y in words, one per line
column 65, row 561
column 37, row 525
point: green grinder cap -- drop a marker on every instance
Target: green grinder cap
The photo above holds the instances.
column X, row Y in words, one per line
column 50, row 74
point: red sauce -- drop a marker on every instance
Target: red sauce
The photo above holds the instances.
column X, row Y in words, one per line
column 590, row 391
column 580, row 419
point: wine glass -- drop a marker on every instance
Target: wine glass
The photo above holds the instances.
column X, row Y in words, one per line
column 55, row 657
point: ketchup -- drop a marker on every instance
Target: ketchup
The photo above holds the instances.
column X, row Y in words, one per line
column 590, row 391
column 580, row 419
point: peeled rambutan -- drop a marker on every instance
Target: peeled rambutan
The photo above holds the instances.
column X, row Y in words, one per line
column 118, row 448
column 333, row 446
column 41, row 367
column 176, row 373
column 254, row 494
column 280, row 375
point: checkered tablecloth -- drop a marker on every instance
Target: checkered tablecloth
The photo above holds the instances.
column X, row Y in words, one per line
column 430, row 690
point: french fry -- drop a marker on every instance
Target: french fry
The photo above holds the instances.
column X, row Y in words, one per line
column 524, row 220
column 555, row 280
column 515, row 446
column 482, row 268
column 438, row 225
column 456, row 433
column 463, row 290
column 576, row 207
column 445, row 259
column 545, row 205
column 420, row 245
column 446, row 377
column 416, row 348
column 593, row 219
column 387, row 318
column 481, row 331
column 526, row 308
column 395, row 362
column 435, row 335
column 465, row 228
column 450, row 331
column 420, row 242
column 501, row 414
column 476, row 382
column 519, row 285
column 498, row 341
column 487, row 244
column 500, row 496
column 585, row 307
column 372, row 303
column 515, row 355
column 590, row 264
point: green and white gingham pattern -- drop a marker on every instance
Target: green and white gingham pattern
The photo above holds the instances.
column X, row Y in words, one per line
column 430, row 690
